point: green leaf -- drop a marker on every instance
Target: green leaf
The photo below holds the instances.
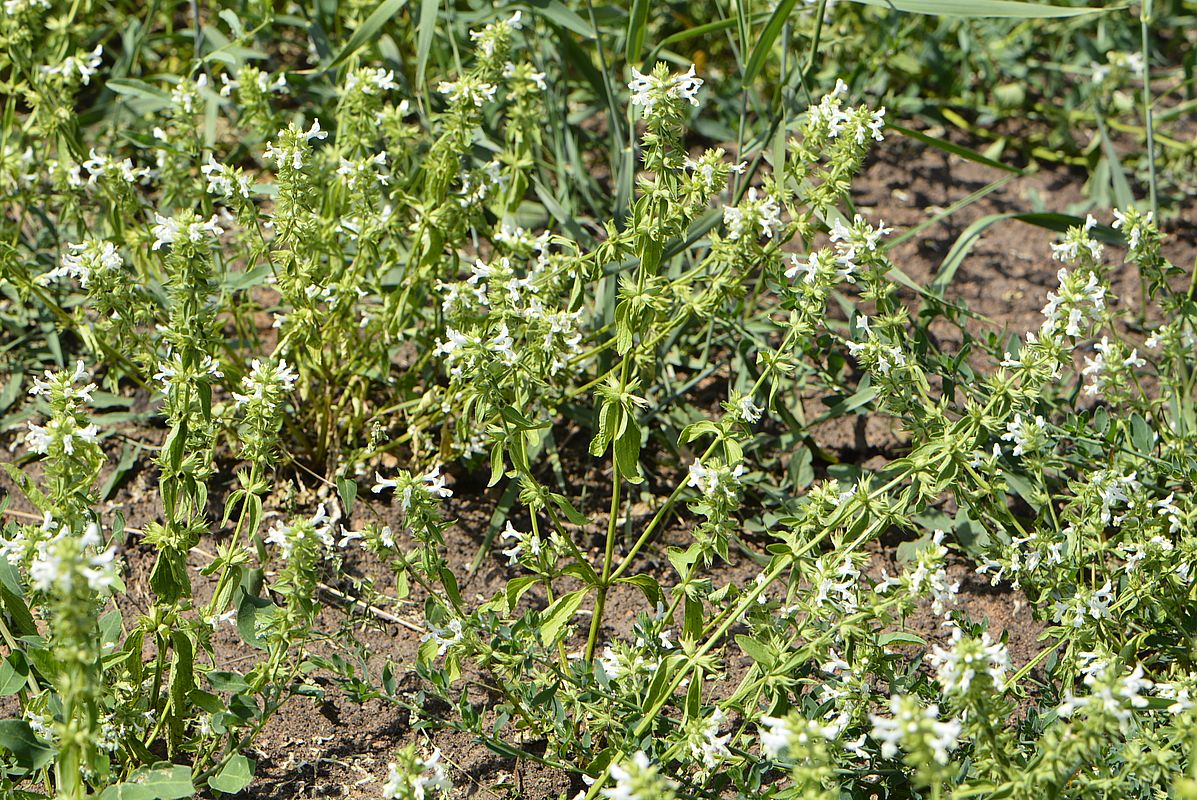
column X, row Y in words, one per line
column 11, row 391
column 558, row 14
column 637, row 22
column 567, row 508
column 1142, row 436
column 347, row 489
column 647, row 584
column 139, row 89
column 960, row 248
column 234, row 23
column 972, row 234
column 13, row 598
column 162, row 782
column 429, row 11
column 755, row 650
column 129, row 455
column 231, row 682
column 14, row 673
column 718, row 26
column 248, row 608
column 369, row 29
column 169, row 579
column 627, row 452
column 516, row 588
column 1123, row 196
column 182, row 681
column 236, row 775
column 18, row 739
column 692, row 619
column 953, row 148
column 1009, row 9
column 901, row 637
column 559, row 614
column 764, row 42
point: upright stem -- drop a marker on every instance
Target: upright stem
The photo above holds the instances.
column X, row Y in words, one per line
column 1145, row 19
column 600, row 602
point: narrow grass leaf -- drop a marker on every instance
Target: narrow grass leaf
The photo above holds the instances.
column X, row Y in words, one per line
column 1007, row 9
column 429, row 11
column 953, row 148
column 764, row 43
column 558, row 14
column 1123, row 196
column 368, row 29
column 960, row 248
column 637, row 21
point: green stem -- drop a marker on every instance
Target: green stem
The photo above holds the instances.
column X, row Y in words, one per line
column 1145, row 20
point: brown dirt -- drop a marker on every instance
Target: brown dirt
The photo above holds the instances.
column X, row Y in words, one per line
column 335, row 747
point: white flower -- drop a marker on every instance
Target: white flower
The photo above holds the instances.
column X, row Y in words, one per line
column 436, row 483
column 468, row 90
column 524, row 542
column 428, row 778
column 1169, row 511
column 266, row 382
column 68, row 560
column 1025, row 435
column 314, row 132
column 364, row 172
column 717, row 482
column 223, row 181
column 708, row 745
column 748, row 409
column 636, row 778
column 316, row 531
column 169, row 230
column 169, row 370
column 808, row 268
column 445, row 637
column 753, row 212
column 1111, row 693
column 913, row 727
column 84, row 65
column 98, row 165
column 83, row 259
column 958, row 667
column 776, row 734
column 372, row 80
column 649, row 90
column 381, row 484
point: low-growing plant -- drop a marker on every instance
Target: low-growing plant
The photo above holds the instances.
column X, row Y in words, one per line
column 397, row 299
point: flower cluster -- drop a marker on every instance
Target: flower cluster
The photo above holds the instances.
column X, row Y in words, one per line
column 414, row 777
column 659, row 92
column 67, row 427
column 971, row 664
column 637, row 778
column 916, row 730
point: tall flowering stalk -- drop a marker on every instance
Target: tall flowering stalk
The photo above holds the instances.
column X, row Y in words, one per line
column 72, row 571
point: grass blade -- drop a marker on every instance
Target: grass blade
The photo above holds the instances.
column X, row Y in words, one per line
column 972, row 234
column 637, row 21
column 1006, row 9
column 429, row 11
column 368, row 30
column 558, row 14
column 954, row 149
column 760, row 51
